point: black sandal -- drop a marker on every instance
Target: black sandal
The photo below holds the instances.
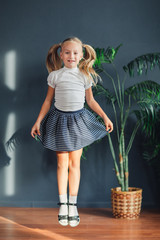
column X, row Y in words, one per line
column 73, row 218
column 63, row 217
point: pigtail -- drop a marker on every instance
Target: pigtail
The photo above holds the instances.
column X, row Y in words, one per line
column 53, row 60
column 86, row 64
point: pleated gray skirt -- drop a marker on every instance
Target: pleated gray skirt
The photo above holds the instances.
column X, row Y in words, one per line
column 70, row 131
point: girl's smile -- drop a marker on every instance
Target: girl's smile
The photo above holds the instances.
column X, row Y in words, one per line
column 71, row 54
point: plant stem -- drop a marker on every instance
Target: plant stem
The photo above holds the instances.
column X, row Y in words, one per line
column 119, row 86
column 121, row 157
column 114, row 86
column 132, row 137
column 114, row 159
column 116, row 120
column 126, row 174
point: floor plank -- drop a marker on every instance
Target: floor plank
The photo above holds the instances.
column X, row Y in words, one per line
column 41, row 223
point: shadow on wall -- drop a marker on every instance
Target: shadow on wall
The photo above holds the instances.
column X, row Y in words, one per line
column 13, row 101
column 23, row 137
column 7, row 104
column 142, row 174
column 4, row 158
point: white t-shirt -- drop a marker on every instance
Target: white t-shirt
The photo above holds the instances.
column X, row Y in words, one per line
column 70, row 85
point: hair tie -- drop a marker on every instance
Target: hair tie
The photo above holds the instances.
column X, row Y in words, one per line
column 59, row 45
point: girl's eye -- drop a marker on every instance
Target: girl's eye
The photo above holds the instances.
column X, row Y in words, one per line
column 75, row 53
column 66, row 52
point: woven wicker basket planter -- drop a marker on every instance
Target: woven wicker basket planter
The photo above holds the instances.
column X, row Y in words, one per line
column 126, row 205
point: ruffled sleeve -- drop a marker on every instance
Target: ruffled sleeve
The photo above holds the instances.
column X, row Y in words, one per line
column 88, row 83
column 51, row 80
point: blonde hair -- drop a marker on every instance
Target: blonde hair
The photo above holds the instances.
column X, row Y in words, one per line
column 54, row 62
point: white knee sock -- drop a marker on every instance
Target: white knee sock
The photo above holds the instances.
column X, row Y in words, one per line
column 73, row 209
column 63, row 210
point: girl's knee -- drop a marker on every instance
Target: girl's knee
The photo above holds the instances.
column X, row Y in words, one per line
column 74, row 163
column 74, row 159
column 62, row 161
column 62, row 165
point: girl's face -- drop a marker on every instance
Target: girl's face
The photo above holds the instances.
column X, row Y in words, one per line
column 71, row 54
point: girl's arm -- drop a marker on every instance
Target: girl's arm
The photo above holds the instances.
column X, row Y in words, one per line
column 44, row 110
column 97, row 109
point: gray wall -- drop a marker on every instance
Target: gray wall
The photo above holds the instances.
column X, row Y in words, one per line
column 28, row 29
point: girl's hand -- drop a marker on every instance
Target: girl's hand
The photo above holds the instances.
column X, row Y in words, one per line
column 35, row 129
column 109, row 125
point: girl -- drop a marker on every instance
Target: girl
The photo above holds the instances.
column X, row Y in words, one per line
column 68, row 126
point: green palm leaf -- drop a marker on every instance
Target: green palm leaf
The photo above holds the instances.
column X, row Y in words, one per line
column 146, row 90
column 147, row 96
column 105, row 56
column 99, row 90
column 143, row 64
column 147, row 119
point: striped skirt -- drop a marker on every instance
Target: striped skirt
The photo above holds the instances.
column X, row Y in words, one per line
column 70, row 131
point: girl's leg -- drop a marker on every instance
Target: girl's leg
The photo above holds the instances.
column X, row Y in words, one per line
column 62, row 172
column 74, row 180
column 62, row 178
column 74, row 172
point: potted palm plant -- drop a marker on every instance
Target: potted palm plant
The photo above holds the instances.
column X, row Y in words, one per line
column 126, row 201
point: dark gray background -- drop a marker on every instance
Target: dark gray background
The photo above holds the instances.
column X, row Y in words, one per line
column 30, row 28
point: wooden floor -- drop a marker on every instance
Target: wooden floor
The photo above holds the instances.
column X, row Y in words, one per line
column 96, row 224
